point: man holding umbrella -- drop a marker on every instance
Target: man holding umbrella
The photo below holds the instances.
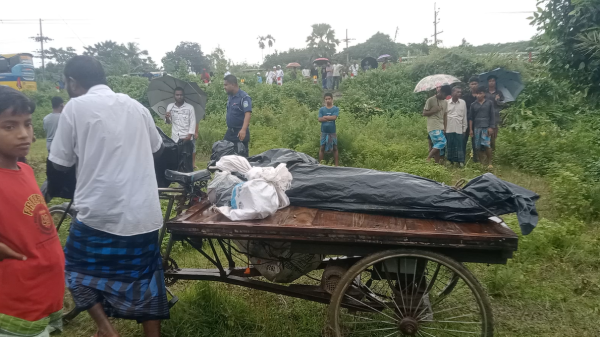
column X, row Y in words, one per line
column 182, row 117
column 239, row 111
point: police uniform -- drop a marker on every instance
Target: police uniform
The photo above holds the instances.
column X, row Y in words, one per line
column 237, row 106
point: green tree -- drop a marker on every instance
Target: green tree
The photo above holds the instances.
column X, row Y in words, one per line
column 322, row 41
column 419, row 48
column 119, row 59
column 465, row 44
column 376, row 45
column 57, row 60
column 190, row 53
column 218, row 61
column 261, row 45
column 566, row 35
column 269, row 39
column 60, row 56
column 303, row 56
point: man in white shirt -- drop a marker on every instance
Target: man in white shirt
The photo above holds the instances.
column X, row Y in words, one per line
column 456, row 126
column 279, row 75
column 354, row 70
column 113, row 262
column 306, row 73
column 182, row 116
column 271, row 75
column 337, row 75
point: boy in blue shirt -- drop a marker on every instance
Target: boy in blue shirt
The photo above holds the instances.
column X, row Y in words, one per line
column 327, row 116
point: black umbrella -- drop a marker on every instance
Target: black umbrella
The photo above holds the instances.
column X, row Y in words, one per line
column 369, row 63
column 161, row 94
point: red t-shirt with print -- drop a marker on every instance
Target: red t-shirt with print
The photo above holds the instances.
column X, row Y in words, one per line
column 31, row 289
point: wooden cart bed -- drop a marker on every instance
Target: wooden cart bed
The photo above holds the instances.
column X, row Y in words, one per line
column 319, row 231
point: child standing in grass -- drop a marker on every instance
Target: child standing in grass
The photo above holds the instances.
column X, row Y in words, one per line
column 327, row 117
column 481, row 123
column 32, row 263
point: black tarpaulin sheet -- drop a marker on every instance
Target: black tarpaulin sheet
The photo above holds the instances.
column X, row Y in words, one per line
column 275, row 157
column 168, row 159
column 401, row 194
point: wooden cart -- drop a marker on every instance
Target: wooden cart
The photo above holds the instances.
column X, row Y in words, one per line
column 380, row 275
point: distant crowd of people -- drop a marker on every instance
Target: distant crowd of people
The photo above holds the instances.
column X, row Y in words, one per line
column 452, row 119
column 330, row 74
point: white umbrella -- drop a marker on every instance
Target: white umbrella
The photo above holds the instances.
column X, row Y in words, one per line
column 434, row 81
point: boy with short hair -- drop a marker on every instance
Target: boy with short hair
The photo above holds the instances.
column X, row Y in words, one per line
column 327, row 117
column 32, row 262
column 481, row 123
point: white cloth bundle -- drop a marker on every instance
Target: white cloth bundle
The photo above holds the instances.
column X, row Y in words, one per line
column 262, row 195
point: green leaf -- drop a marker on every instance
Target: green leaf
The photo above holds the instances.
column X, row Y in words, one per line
column 581, row 65
column 529, row 18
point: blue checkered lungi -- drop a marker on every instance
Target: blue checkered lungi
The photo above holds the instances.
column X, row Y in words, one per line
column 124, row 273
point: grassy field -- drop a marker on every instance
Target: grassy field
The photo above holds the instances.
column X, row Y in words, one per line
column 550, row 288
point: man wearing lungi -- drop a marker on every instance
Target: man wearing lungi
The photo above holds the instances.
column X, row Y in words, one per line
column 113, row 263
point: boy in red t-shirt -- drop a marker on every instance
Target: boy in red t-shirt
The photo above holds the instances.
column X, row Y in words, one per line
column 31, row 258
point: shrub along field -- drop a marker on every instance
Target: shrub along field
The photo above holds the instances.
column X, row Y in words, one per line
column 549, row 144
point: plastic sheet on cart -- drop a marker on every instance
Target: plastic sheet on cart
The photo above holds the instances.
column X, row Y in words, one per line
column 401, row 194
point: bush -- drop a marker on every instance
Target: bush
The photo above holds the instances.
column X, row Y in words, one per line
column 377, row 90
column 135, row 87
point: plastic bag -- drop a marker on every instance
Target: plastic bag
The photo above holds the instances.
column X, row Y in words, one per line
column 220, row 188
column 220, row 149
column 254, row 199
column 276, row 262
column 262, row 195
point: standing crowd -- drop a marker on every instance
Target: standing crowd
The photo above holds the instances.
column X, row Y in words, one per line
column 452, row 120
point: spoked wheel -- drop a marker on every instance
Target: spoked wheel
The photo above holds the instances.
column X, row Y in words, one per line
column 409, row 293
column 57, row 212
column 69, row 310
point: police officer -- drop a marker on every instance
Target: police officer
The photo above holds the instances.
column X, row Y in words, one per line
column 239, row 110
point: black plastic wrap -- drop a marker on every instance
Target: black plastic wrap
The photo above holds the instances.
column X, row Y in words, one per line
column 220, row 149
column 168, row 160
column 185, row 150
column 275, row 157
column 223, row 148
column 401, row 194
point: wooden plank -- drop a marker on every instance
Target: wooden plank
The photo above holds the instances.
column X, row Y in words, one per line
column 309, row 224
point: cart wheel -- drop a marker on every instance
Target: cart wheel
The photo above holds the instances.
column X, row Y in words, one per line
column 409, row 293
column 57, row 212
column 170, row 264
column 69, row 311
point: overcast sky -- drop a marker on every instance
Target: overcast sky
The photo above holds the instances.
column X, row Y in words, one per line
column 235, row 25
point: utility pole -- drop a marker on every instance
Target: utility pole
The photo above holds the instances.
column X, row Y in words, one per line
column 41, row 39
column 42, row 42
column 347, row 40
column 396, row 34
column 436, row 12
